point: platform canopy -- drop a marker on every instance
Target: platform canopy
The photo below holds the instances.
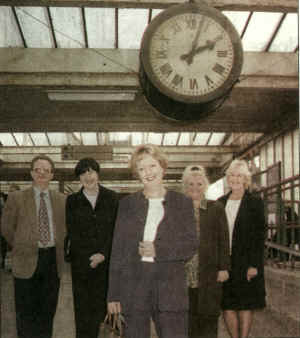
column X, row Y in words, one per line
column 69, row 77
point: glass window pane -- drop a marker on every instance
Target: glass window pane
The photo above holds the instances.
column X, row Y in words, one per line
column 35, row 26
column 185, row 139
column 238, row 19
column 216, row 139
column 89, row 139
column 39, row 139
column 100, row 24
column 155, row 12
column 170, row 139
column 7, row 139
column 260, row 30
column 154, row 138
column 129, row 18
column 286, row 39
column 9, row 36
column 58, row 139
column 201, row 139
column 137, row 138
column 68, row 27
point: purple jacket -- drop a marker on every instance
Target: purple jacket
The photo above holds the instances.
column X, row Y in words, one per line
column 175, row 243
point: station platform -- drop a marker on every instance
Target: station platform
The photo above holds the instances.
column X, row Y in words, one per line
column 266, row 324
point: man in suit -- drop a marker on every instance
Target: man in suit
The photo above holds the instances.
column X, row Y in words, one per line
column 33, row 223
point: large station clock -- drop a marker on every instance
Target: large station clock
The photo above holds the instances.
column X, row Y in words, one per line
column 190, row 58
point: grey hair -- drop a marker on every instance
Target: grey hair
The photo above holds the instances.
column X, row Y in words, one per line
column 241, row 167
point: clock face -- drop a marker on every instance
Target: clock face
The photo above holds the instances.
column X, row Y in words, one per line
column 192, row 54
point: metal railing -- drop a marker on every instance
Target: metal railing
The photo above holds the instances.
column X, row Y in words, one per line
column 282, row 245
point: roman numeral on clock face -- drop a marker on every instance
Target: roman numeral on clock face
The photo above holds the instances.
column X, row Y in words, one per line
column 222, row 53
column 161, row 54
column 209, row 81
column 218, row 69
column 166, row 69
column 193, row 84
column 177, row 80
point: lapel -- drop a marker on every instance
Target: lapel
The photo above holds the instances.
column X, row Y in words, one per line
column 243, row 205
column 240, row 212
column 142, row 208
column 55, row 208
column 29, row 204
column 202, row 211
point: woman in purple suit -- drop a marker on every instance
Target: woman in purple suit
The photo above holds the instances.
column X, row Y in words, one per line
column 154, row 237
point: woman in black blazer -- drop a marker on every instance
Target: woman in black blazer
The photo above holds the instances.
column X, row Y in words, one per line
column 90, row 217
column 245, row 289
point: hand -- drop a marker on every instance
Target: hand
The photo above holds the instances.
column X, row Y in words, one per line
column 147, row 249
column 96, row 259
column 251, row 273
column 223, row 275
column 114, row 307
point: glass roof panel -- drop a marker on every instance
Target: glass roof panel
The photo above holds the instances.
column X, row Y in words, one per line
column 216, row 139
column 286, row 39
column 155, row 138
column 7, row 139
column 102, row 138
column 170, row 139
column 137, row 138
column 156, row 12
column 19, row 138
column 9, row 36
column 74, row 139
column 260, row 22
column 185, row 139
column 68, row 27
column 129, row 18
column 121, row 137
column 58, row 139
column 238, row 19
column 89, row 139
column 35, row 26
column 39, row 139
column 27, row 140
column 201, row 139
column 100, row 24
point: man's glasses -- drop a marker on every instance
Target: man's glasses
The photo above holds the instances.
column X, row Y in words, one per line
column 40, row 170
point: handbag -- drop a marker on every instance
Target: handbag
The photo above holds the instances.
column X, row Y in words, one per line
column 112, row 326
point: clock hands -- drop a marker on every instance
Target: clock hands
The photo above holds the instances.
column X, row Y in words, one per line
column 191, row 54
column 210, row 44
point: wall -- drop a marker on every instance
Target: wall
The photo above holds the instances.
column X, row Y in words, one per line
column 283, row 295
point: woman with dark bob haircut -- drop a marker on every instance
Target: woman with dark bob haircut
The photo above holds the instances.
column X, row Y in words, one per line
column 90, row 217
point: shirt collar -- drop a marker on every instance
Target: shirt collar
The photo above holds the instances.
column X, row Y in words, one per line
column 37, row 191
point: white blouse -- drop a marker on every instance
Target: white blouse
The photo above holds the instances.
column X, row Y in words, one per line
column 232, row 208
column 154, row 216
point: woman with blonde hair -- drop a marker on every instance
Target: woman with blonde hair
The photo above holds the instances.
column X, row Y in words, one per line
column 208, row 269
column 155, row 236
column 245, row 289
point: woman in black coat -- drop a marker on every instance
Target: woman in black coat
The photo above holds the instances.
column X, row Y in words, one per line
column 245, row 289
column 90, row 217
